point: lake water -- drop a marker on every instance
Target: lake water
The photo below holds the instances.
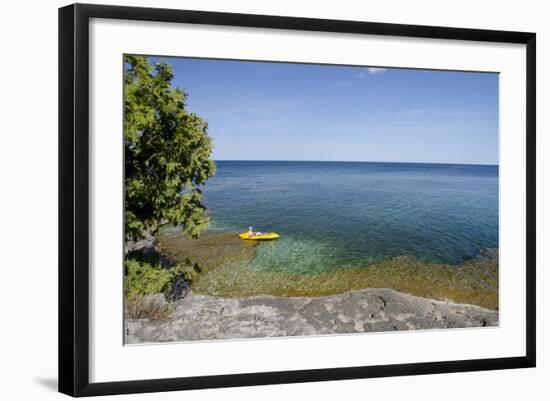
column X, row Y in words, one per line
column 344, row 214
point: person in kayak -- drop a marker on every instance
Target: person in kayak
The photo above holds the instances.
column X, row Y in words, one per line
column 251, row 232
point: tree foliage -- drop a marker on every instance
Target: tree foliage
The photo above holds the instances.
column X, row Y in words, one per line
column 167, row 153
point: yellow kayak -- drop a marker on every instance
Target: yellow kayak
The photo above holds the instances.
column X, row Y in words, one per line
column 266, row 236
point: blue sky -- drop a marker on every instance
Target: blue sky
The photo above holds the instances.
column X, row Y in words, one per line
column 280, row 111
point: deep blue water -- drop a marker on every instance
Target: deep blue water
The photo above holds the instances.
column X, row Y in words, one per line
column 343, row 214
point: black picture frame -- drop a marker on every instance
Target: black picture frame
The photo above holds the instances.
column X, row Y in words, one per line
column 74, row 198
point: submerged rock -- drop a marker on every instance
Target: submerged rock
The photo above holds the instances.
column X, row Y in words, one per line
column 204, row 317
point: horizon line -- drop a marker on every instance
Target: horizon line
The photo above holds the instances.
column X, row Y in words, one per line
column 357, row 161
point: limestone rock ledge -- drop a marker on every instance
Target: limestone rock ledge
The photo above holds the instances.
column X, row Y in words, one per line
column 203, row 317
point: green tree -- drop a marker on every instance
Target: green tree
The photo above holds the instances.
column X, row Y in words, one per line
column 167, row 153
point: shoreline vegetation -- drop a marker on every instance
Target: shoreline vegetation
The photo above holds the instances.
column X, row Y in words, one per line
column 222, row 269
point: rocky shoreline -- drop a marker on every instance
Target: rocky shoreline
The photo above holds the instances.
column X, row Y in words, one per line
column 227, row 270
column 204, row 317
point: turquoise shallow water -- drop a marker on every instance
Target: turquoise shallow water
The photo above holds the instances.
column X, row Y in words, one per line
column 344, row 214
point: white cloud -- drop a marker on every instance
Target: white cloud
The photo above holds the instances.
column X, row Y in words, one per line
column 371, row 71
